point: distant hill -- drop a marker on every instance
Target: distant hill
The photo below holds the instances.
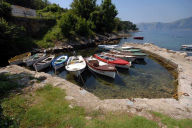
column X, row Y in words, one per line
column 181, row 25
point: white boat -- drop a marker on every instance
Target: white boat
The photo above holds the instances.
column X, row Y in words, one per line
column 43, row 63
column 59, row 61
column 107, row 47
column 186, row 47
column 75, row 65
column 34, row 58
column 100, row 67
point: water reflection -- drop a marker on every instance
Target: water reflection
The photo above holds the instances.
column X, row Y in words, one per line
column 146, row 79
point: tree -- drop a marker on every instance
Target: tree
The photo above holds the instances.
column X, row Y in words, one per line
column 67, row 24
column 5, row 10
column 109, row 14
column 83, row 8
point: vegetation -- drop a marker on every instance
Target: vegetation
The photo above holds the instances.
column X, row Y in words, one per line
column 34, row 4
column 5, row 10
column 173, row 123
column 47, row 107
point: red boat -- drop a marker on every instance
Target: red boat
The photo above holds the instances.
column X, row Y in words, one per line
column 138, row 38
column 112, row 60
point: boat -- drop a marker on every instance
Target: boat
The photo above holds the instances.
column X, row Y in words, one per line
column 128, row 49
column 107, row 47
column 186, row 47
column 43, row 63
column 138, row 55
column 100, row 67
column 130, row 58
column 59, row 62
column 34, row 58
column 75, row 65
column 138, row 38
column 120, row 63
column 19, row 58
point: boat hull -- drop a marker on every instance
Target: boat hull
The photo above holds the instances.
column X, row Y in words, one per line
column 41, row 67
column 105, row 73
column 56, row 67
column 31, row 62
column 123, row 66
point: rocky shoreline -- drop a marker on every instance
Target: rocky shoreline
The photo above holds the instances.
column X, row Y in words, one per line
column 181, row 108
column 85, row 43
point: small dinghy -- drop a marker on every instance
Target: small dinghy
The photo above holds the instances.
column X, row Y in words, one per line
column 75, row 65
column 59, row 61
column 120, row 63
column 138, row 38
column 43, row 63
column 35, row 58
column 107, row 47
column 186, row 47
column 19, row 58
column 100, row 67
column 128, row 49
column 129, row 58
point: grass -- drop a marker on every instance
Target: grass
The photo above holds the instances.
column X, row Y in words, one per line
column 47, row 107
column 173, row 123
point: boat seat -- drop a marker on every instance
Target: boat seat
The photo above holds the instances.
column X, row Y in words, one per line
column 94, row 63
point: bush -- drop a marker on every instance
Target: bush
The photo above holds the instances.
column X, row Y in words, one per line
column 67, row 24
column 83, row 27
column 5, row 10
column 71, row 24
column 9, row 31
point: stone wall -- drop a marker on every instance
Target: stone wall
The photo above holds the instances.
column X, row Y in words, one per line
column 21, row 11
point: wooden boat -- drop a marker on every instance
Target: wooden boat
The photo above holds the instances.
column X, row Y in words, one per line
column 120, row 63
column 43, row 63
column 128, row 49
column 34, row 58
column 19, row 58
column 107, row 47
column 129, row 58
column 100, row 67
column 186, row 47
column 138, row 38
column 59, row 61
column 75, row 65
column 138, row 55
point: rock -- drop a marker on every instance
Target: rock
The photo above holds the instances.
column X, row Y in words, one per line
column 69, row 98
column 70, row 106
column 88, row 118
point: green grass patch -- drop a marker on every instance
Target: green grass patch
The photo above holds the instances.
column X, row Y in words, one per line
column 172, row 123
column 47, row 107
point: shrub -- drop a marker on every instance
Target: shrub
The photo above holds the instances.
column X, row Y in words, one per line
column 9, row 31
column 5, row 10
column 67, row 24
column 71, row 24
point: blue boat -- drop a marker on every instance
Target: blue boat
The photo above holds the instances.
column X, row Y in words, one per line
column 59, row 61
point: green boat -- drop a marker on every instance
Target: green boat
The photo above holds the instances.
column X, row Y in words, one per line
column 133, row 50
column 139, row 55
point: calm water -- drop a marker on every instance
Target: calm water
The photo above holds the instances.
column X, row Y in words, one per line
column 146, row 79
column 170, row 40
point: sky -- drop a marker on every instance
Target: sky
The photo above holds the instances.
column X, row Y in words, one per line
column 145, row 11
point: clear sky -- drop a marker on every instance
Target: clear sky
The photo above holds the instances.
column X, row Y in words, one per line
column 139, row 11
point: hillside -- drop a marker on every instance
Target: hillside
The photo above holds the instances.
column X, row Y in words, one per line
column 181, row 25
